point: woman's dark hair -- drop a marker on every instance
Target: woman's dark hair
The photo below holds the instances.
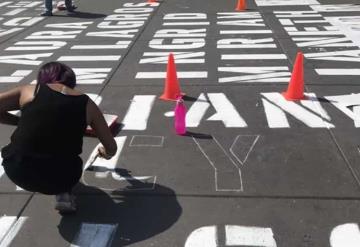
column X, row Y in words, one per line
column 55, row 72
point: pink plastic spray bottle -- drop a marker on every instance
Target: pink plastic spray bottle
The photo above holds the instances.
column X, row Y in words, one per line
column 179, row 118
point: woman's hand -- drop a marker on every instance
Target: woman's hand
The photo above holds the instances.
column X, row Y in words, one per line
column 103, row 154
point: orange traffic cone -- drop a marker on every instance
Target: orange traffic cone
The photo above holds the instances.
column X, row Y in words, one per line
column 295, row 89
column 151, row 1
column 241, row 5
column 172, row 89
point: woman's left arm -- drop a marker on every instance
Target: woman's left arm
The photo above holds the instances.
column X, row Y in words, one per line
column 10, row 100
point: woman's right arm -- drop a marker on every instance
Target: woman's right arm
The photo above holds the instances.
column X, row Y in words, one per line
column 97, row 122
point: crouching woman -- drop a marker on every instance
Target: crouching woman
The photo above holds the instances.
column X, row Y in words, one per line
column 43, row 154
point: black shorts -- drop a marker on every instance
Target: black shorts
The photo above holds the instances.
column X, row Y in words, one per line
column 47, row 175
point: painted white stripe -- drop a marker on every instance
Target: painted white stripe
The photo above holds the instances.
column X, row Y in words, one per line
column 12, row 30
column 249, row 236
column 180, row 57
column 26, row 45
column 290, row 29
column 324, row 42
column 97, row 47
column 200, row 23
column 253, row 56
column 238, row 15
column 17, row 76
column 345, row 235
column 95, row 235
column 4, row 4
column 314, row 33
column 286, row 22
column 118, row 45
column 138, row 113
column 276, row 117
column 257, row 74
column 349, row 25
column 108, row 164
column 336, row 8
column 285, row 2
column 245, row 31
column 340, row 72
column 311, row 29
column 9, row 227
column 28, row 4
column 204, row 236
column 89, row 58
column 197, row 111
column 300, row 113
column 180, row 74
column 180, row 33
column 314, row 105
column 343, row 103
column 91, row 75
column 356, row 110
column 95, row 97
column 225, row 111
column 242, row 46
column 15, row 11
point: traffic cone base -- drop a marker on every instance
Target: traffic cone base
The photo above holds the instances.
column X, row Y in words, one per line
column 173, row 97
column 289, row 97
column 295, row 90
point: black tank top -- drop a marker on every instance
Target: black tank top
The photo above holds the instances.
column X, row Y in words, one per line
column 52, row 124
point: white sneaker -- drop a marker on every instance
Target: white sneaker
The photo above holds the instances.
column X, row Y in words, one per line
column 65, row 203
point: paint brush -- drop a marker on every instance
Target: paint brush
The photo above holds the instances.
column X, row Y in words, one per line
column 91, row 161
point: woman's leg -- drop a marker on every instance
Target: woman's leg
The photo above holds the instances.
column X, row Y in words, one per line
column 48, row 8
column 65, row 203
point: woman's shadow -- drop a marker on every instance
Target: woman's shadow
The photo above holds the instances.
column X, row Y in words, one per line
column 137, row 214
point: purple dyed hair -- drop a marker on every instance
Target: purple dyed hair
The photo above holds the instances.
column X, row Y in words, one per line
column 55, row 72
